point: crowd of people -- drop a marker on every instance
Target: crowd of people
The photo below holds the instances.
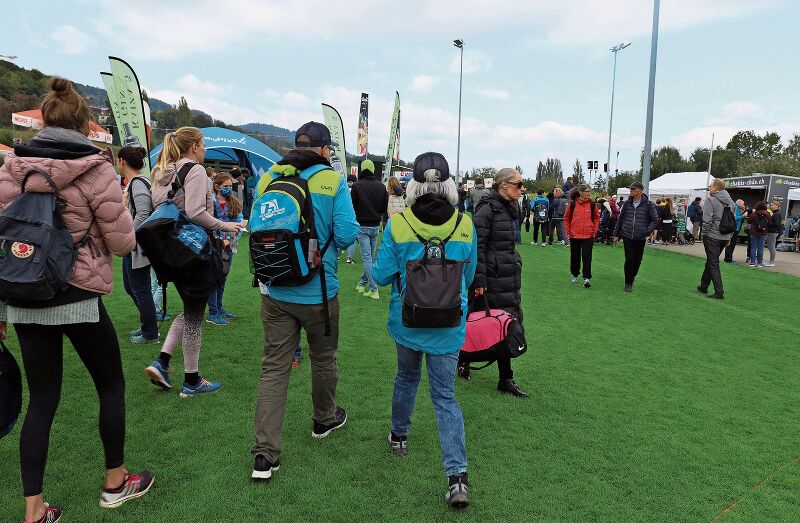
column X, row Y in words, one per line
column 477, row 229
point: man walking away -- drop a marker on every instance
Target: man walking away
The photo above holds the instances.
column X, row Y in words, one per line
column 738, row 212
column 287, row 309
column 713, row 240
column 370, row 200
column 540, row 207
column 695, row 215
column 478, row 193
column 637, row 219
column 557, row 209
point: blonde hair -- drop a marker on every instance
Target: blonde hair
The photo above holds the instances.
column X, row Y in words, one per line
column 558, row 192
column 64, row 107
column 718, row 183
column 176, row 145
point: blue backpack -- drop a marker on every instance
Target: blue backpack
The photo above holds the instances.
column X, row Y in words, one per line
column 179, row 250
column 36, row 250
column 284, row 245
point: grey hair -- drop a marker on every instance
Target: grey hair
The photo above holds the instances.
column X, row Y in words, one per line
column 446, row 189
column 503, row 175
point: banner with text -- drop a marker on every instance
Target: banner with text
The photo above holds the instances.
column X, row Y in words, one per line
column 131, row 121
column 333, row 121
column 363, row 117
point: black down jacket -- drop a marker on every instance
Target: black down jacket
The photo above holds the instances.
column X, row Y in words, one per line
column 636, row 223
column 499, row 264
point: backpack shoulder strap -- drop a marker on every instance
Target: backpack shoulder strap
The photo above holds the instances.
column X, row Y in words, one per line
column 314, row 169
column 420, row 238
column 458, row 223
column 131, row 199
column 180, row 178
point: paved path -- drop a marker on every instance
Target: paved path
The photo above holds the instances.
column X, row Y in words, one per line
column 785, row 262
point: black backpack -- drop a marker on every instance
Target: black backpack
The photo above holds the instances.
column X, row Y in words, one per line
column 36, row 249
column 432, row 297
column 10, row 390
column 179, row 250
column 727, row 223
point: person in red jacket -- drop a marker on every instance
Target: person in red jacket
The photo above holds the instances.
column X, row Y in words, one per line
column 581, row 221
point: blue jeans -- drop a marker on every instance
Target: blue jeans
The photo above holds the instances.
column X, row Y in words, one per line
column 137, row 285
column 215, row 298
column 367, row 241
column 441, row 379
column 757, row 249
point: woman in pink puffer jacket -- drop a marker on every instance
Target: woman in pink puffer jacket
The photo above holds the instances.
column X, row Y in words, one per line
column 87, row 182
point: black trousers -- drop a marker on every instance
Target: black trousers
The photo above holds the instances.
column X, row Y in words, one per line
column 545, row 231
column 634, row 250
column 580, row 250
column 730, row 248
column 42, row 356
column 711, row 272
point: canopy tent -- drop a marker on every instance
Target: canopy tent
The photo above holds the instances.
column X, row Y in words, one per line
column 680, row 185
column 35, row 120
column 231, row 146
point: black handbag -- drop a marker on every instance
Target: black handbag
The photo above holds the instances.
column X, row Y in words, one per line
column 10, row 390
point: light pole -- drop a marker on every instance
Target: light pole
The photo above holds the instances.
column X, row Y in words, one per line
column 615, row 49
column 651, row 93
column 460, row 44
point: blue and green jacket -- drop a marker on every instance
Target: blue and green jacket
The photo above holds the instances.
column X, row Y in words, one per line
column 333, row 215
column 400, row 244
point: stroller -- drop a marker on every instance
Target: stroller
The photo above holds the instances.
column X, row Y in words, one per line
column 688, row 238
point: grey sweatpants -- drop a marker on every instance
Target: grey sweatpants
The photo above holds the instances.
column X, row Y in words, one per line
column 772, row 239
column 282, row 323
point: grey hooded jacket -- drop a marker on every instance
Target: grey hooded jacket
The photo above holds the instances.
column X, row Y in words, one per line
column 712, row 214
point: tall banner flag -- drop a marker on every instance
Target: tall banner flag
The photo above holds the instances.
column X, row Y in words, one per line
column 131, row 121
column 108, row 83
column 363, row 116
column 333, row 121
column 392, row 138
column 397, row 140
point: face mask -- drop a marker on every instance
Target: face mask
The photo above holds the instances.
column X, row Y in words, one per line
column 225, row 191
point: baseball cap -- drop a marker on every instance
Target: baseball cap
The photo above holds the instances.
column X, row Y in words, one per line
column 319, row 135
column 636, row 185
column 367, row 165
column 431, row 167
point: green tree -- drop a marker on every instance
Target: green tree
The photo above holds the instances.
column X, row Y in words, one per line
column 549, row 170
column 184, row 116
column 622, row 179
column 577, row 171
column 666, row 159
column 792, row 149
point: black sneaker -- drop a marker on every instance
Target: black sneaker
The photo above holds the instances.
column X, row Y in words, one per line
column 52, row 514
column 456, row 495
column 510, row 387
column 716, row 296
column 399, row 444
column 463, row 372
column 321, row 431
column 628, row 287
column 263, row 469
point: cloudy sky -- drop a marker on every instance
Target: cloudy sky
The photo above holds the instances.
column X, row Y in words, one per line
column 537, row 73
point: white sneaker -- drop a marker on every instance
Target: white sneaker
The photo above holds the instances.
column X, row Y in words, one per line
column 769, row 264
column 533, row 243
column 574, row 280
column 544, row 245
column 587, row 282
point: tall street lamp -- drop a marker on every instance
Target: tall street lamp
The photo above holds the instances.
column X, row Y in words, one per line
column 651, row 93
column 460, row 44
column 615, row 49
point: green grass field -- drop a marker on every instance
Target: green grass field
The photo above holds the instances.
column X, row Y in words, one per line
column 661, row 405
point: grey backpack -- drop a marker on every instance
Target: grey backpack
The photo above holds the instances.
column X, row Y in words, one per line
column 432, row 297
column 36, row 250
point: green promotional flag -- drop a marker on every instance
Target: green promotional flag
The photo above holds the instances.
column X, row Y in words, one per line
column 108, row 83
column 333, row 121
column 392, row 138
column 131, row 121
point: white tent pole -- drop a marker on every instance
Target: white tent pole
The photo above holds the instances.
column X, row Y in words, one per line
column 710, row 157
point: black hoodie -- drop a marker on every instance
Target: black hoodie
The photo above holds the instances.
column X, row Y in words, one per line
column 370, row 200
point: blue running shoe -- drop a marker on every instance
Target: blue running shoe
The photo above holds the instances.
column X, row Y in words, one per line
column 203, row 386
column 163, row 316
column 217, row 320
column 137, row 332
column 227, row 315
column 140, row 339
column 158, row 375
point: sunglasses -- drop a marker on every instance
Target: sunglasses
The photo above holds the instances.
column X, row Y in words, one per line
column 518, row 185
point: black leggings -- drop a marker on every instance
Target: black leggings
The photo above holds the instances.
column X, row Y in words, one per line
column 42, row 356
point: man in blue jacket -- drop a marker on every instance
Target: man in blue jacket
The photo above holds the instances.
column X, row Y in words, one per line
column 638, row 217
column 431, row 198
column 287, row 309
column 738, row 212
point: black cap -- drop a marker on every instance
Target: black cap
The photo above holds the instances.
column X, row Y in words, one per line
column 636, row 185
column 319, row 135
column 431, row 167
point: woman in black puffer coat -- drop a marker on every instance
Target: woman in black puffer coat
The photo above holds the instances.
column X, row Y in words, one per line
column 498, row 277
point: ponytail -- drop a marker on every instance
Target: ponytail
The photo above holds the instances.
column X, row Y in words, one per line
column 175, row 145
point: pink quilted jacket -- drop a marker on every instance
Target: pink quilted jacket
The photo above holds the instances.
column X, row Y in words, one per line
column 94, row 203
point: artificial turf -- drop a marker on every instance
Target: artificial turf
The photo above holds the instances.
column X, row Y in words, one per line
column 660, row 405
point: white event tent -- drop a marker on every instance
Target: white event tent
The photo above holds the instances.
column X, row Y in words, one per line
column 680, row 185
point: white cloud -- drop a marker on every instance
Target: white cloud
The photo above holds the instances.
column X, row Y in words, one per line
column 474, row 62
column 193, row 84
column 423, row 82
column 69, row 40
column 494, row 94
column 295, row 99
column 737, row 113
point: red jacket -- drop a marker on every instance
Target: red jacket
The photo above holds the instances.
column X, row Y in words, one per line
column 580, row 221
